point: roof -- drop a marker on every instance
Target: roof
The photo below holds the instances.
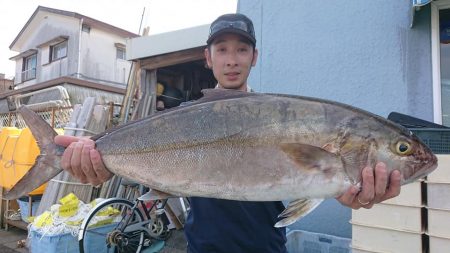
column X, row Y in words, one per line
column 158, row 44
column 86, row 20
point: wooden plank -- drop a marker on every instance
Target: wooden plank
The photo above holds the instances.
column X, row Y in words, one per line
column 16, row 223
column 159, row 61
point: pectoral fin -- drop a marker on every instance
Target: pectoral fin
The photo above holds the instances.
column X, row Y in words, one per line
column 296, row 210
column 311, row 158
column 155, row 195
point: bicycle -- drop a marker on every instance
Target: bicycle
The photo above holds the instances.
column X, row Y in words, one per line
column 119, row 225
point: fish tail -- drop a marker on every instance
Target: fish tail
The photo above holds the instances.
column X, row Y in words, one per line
column 47, row 164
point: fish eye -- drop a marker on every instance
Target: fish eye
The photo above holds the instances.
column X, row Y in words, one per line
column 403, row 148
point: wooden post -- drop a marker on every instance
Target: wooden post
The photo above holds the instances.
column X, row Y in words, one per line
column 53, row 117
column 111, row 114
column 173, row 217
column 30, row 206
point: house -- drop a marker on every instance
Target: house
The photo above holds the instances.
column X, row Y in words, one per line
column 82, row 54
column 5, row 84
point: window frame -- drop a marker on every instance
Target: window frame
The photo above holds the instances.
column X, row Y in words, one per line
column 56, row 46
column 124, row 53
column 25, row 70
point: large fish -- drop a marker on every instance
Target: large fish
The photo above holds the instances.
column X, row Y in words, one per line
column 246, row 146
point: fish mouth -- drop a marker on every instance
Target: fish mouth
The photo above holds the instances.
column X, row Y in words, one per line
column 422, row 169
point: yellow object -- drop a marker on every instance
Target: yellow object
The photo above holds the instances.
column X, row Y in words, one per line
column 4, row 137
column 18, row 152
column 24, row 155
column 159, row 89
column 45, row 219
column 69, row 205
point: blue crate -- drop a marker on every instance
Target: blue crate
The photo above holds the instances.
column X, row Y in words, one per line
column 299, row 241
column 66, row 243
column 24, row 206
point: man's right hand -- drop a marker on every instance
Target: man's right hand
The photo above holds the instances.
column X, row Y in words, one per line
column 82, row 160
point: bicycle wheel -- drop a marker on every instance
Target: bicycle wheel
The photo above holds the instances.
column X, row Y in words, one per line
column 107, row 228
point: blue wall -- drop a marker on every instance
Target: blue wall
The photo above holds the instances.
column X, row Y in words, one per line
column 361, row 53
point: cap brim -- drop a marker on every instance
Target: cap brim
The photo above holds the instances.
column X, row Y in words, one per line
column 231, row 30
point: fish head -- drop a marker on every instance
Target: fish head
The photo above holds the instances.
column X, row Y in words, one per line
column 411, row 156
column 380, row 140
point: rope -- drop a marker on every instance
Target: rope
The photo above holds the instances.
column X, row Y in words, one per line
column 80, row 129
column 67, row 182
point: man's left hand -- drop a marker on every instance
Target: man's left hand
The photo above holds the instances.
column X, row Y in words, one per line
column 375, row 188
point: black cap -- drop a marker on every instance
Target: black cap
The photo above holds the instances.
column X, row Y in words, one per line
column 232, row 23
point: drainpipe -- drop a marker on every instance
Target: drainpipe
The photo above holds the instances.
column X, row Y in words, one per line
column 79, row 48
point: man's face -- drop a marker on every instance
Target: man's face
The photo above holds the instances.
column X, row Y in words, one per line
column 231, row 57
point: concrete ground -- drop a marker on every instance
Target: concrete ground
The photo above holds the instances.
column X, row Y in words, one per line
column 8, row 241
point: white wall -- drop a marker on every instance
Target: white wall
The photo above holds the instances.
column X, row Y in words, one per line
column 45, row 27
column 98, row 57
column 98, row 52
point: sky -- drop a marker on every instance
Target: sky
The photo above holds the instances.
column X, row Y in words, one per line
column 160, row 15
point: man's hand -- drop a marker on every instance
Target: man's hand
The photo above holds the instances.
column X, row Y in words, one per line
column 374, row 188
column 82, row 160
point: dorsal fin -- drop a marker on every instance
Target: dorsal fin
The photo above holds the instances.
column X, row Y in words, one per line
column 210, row 95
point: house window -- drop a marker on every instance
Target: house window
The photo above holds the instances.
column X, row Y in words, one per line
column 29, row 67
column 120, row 53
column 86, row 28
column 58, row 51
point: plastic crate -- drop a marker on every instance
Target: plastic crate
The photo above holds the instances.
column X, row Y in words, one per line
column 25, row 208
column 377, row 239
column 438, row 196
column 439, row 223
column 442, row 172
column 66, row 243
column 438, row 140
column 405, row 218
column 410, row 195
column 439, row 244
column 299, row 241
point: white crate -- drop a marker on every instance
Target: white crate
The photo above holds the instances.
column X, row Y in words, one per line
column 439, row 244
column 385, row 240
column 442, row 173
column 439, row 223
column 438, row 195
column 410, row 195
column 405, row 218
column 299, row 241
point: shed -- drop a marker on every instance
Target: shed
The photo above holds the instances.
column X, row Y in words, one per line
column 175, row 62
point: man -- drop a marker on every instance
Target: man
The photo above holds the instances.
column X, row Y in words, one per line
column 216, row 225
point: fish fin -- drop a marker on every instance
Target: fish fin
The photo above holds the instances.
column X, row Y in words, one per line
column 296, row 210
column 331, row 147
column 334, row 146
column 312, row 158
column 210, row 95
column 47, row 163
column 155, row 195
